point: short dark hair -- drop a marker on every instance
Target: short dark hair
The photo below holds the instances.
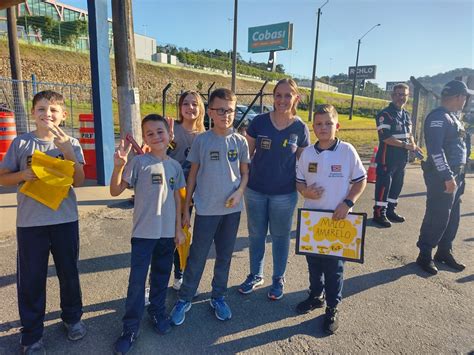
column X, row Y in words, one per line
column 223, row 94
column 326, row 108
column 154, row 117
column 52, row 96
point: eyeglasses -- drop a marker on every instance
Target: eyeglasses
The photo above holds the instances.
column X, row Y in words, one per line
column 400, row 94
column 223, row 112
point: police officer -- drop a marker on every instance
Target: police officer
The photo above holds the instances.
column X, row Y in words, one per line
column 443, row 172
column 394, row 130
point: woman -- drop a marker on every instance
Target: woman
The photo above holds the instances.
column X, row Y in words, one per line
column 275, row 141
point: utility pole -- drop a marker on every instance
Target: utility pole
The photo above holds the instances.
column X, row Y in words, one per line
column 125, row 69
column 234, row 49
column 15, row 66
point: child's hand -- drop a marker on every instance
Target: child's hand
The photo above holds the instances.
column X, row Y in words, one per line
column 186, row 218
column 234, row 199
column 121, row 154
column 61, row 139
column 341, row 211
column 28, row 175
column 179, row 238
column 313, row 192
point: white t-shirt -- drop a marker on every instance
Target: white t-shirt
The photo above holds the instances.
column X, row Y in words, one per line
column 334, row 169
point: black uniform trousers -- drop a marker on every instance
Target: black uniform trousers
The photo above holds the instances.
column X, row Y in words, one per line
column 34, row 245
column 443, row 212
column 388, row 186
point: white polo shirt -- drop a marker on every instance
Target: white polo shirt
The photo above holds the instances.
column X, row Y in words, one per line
column 334, row 169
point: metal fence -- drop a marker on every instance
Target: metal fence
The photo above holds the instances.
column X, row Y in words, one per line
column 18, row 95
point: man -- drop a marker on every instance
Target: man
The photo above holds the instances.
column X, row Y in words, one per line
column 394, row 129
column 443, row 172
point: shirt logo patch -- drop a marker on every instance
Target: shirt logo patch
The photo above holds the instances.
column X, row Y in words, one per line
column 336, row 168
column 172, row 146
column 265, row 143
column 312, row 167
column 232, row 155
column 436, row 124
column 186, row 151
column 381, row 119
column 214, row 155
column 171, row 183
column 157, row 179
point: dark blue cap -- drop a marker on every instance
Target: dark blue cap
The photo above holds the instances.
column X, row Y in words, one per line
column 456, row 87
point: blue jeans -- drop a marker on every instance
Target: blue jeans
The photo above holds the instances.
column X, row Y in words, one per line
column 223, row 231
column 160, row 253
column 274, row 212
column 326, row 274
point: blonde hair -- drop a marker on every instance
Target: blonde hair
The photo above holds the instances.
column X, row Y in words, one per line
column 294, row 88
column 200, row 103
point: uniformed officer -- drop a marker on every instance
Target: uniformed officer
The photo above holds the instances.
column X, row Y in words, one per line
column 396, row 139
column 443, row 172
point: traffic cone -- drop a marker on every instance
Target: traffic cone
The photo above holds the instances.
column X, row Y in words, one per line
column 371, row 173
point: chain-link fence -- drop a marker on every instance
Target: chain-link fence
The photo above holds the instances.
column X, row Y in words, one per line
column 18, row 95
column 424, row 101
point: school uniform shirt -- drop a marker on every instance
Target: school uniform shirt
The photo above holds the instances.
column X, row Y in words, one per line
column 272, row 170
column 218, row 177
column 182, row 142
column 31, row 213
column 334, row 169
column 154, row 181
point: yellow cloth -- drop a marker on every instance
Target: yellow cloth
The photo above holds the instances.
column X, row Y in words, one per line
column 55, row 177
column 183, row 249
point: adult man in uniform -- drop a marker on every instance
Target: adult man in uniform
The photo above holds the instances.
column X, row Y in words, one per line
column 394, row 129
column 443, row 172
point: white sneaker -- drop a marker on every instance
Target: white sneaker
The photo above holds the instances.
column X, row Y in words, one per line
column 147, row 296
column 177, row 284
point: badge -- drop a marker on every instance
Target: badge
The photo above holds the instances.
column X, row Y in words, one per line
column 232, row 155
column 312, row 167
column 293, row 139
column 214, row 155
column 336, row 168
column 172, row 145
column 157, row 179
column 265, row 143
column 171, row 183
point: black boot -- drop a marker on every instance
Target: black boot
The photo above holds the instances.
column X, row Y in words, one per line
column 311, row 303
column 382, row 221
column 447, row 258
column 427, row 264
column 394, row 216
column 331, row 322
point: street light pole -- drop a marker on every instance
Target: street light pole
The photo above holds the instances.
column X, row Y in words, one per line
column 234, row 49
column 355, row 72
column 313, row 78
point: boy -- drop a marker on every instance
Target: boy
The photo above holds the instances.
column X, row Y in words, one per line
column 219, row 167
column 41, row 229
column 156, row 179
column 330, row 176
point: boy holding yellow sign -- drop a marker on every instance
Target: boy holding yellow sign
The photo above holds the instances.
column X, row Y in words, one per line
column 330, row 176
column 43, row 227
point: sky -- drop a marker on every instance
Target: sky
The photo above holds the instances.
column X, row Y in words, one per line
column 415, row 37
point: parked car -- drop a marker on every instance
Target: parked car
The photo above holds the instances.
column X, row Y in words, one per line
column 262, row 109
column 239, row 113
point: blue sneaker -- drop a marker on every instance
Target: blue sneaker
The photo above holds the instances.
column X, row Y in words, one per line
column 178, row 314
column 250, row 283
column 161, row 324
column 125, row 342
column 276, row 291
column 221, row 308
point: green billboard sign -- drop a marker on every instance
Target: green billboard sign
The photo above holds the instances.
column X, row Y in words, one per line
column 275, row 37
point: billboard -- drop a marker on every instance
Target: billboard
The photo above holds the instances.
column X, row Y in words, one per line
column 275, row 37
column 363, row 72
column 390, row 84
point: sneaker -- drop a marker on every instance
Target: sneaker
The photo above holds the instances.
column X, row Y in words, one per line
column 395, row 217
column 331, row 322
column 250, row 283
column 311, row 303
column 382, row 221
column 35, row 348
column 447, row 258
column 276, row 291
column 221, row 308
column 178, row 314
column 161, row 324
column 75, row 331
column 177, row 284
column 147, row 296
column 125, row 342
column 427, row 264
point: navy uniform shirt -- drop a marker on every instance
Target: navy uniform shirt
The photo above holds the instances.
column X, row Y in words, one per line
column 392, row 122
column 445, row 142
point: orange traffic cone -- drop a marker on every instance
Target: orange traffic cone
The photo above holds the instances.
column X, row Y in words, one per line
column 371, row 173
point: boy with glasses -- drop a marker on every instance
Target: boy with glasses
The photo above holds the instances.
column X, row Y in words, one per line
column 218, row 177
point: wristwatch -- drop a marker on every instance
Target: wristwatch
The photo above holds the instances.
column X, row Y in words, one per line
column 349, row 203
